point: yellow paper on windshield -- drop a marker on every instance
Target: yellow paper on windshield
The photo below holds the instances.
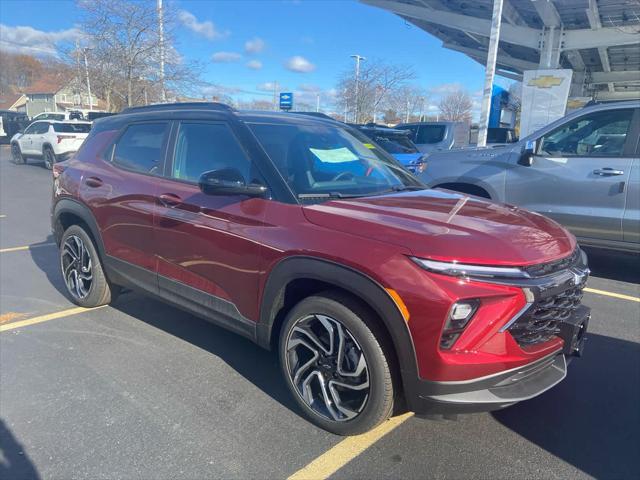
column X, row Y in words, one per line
column 336, row 155
column 369, row 146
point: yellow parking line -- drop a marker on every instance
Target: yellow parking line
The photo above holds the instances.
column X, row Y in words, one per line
column 613, row 294
column 25, row 247
column 338, row 456
column 46, row 318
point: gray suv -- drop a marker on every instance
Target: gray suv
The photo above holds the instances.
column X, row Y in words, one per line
column 582, row 170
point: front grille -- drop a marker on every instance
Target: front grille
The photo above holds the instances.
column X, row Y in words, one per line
column 554, row 303
column 554, row 267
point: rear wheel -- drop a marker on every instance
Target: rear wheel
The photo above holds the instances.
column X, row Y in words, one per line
column 82, row 270
column 335, row 366
column 49, row 158
column 16, row 154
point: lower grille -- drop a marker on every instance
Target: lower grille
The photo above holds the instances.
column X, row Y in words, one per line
column 541, row 321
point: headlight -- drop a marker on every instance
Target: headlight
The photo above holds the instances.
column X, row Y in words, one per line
column 456, row 269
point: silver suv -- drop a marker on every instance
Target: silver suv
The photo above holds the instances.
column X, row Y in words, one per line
column 582, row 170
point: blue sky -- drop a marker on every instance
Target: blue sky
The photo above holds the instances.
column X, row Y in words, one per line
column 302, row 44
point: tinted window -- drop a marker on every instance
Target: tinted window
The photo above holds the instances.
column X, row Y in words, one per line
column 431, row 133
column 31, row 129
column 71, row 127
column 202, row 147
column 412, row 128
column 38, row 128
column 140, row 147
column 601, row 134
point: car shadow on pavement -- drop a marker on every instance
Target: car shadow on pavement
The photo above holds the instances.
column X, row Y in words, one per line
column 591, row 419
column 14, row 461
column 620, row 266
column 259, row 366
column 45, row 255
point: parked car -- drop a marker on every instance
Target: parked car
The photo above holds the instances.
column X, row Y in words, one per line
column 79, row 114
column 49, row 140
column 397, row 144
column 436, row 136
column 288, row 230
column 10, row 123
column 582, row 170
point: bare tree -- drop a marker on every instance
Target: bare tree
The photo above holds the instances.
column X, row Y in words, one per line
column 123, row 50
column 409, row 101
column 376, row 83
column 456, row 106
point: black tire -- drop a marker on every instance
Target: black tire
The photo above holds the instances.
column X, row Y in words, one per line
column 49, row 157
column 363, row 333
column 16, row 154
column 99, row 291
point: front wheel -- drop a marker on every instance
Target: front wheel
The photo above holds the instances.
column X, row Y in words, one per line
column 335, row 366
column 82, row 271
column 16, row 154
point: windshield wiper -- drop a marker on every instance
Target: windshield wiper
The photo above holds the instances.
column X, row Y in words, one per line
column 306, row 196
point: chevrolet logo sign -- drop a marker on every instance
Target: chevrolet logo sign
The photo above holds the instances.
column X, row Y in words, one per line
column 545, row 81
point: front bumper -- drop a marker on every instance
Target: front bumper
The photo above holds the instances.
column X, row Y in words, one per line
column 503, row 389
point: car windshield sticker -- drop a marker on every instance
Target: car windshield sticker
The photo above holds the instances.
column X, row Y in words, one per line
column 369, row 146
column 336, row 155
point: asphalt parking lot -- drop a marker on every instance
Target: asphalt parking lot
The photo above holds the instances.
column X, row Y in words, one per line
column 141, row 390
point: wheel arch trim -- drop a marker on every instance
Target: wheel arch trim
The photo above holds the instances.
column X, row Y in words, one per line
column 68, row 205
column 350, row 280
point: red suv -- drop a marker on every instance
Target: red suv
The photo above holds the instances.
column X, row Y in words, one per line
column 302, row 235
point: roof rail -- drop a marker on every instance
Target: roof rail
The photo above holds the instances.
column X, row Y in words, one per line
column 180, row 106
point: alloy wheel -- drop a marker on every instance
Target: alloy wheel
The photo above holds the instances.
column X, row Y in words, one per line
column 76, row 267
column 327, row 367
column 16, row 154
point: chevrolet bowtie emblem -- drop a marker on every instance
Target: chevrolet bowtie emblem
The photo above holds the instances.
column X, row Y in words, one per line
column 545, row 81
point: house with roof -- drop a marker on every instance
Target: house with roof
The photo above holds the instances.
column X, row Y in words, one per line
column 51, row 94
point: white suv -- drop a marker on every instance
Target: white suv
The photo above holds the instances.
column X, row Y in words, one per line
column 49, row 140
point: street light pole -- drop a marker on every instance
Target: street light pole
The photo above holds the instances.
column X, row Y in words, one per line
column 163, row 94
column 358, row 59
column 86, row 71
column 317, row 102
column 489, row 72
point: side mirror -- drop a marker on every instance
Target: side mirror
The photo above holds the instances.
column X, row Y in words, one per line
column 229, row 181
column 526, row 156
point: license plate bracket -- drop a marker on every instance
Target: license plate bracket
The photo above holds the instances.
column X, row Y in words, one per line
column 574, row 331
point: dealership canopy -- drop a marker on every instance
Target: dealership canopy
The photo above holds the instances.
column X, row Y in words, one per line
column 598, row 39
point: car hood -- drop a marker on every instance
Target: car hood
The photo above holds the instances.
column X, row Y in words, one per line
column 448, row 226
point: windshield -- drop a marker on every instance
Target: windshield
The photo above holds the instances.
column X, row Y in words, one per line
column 395, row 143
column 426, row 133
column 326, row 161
column 72, row 127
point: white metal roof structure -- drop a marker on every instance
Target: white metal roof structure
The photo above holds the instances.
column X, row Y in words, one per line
column 598, row 39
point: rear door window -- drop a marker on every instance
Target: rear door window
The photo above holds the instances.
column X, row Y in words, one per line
column 431, row 133
column 141, row 147
column 71, row 127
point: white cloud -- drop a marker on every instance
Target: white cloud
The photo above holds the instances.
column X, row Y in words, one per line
column 299, row 64
column 35, row 42
column 225, row 57
column 255, row 45
column 268, row 87
column 446, row 88
column 206, row 29
column 307, row 87
column 254, row 64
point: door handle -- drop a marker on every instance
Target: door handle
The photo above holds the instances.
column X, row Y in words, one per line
column 93, row 182
column 170, row 200
column 607, row 171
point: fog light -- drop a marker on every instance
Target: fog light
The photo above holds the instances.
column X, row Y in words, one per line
column 459, row 316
